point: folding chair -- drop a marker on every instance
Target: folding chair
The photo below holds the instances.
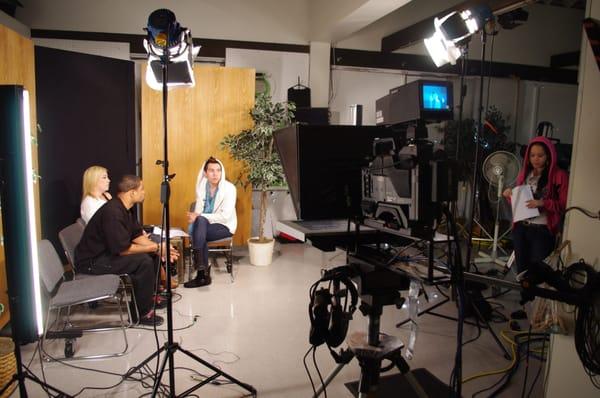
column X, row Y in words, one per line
column 69, row 238
column 64, row 294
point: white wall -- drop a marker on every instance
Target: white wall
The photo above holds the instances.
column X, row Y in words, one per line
column 282, row 68
column 552, row 102
column 566, row 376
column 283, row 21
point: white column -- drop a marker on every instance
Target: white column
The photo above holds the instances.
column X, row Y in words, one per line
column 319, row 73
column 566, row 376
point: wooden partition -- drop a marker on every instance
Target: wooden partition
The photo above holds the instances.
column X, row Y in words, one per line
column 17, row 67
column 198, row 119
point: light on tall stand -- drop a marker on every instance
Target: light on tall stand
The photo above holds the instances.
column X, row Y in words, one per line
column 452, row 32
column 170, row 61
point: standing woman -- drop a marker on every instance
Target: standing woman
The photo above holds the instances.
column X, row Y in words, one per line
column 534, row 238
column 95, row 191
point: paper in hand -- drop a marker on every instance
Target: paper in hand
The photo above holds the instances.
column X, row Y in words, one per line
column 520, row 195
column 175, row 233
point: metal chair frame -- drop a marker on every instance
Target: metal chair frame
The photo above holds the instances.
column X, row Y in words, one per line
column 69, row 244
column 67, row 294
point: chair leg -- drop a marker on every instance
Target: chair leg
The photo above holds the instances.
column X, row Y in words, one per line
column 229, row 263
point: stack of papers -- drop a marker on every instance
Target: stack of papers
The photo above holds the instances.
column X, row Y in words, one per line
column 175, row 233
column 520, row 195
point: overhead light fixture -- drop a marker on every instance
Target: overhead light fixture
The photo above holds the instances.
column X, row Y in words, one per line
column 453, row 31
column 169, row 45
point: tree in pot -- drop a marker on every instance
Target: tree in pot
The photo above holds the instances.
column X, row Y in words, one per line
column 255, row 148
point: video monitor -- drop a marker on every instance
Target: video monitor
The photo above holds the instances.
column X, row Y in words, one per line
column 434, row 96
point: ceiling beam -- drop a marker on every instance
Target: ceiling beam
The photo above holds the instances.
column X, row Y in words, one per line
column 565, row 59
column 420, row 30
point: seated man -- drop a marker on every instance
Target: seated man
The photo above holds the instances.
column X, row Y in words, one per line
column 213, row 218
column 113, row 242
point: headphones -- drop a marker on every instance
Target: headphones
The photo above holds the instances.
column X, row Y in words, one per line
column 328, row 310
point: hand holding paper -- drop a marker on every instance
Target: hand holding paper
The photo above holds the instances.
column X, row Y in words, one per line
column 519, row 198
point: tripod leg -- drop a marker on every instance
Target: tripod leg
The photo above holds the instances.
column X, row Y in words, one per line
column 219, row 372
column 329, row 379
column 161, row 370
column 143, row 363
column 494, row 335
column 369, row 376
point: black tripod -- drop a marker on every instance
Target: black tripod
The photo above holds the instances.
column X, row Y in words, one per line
column 21, row 376
column 171, row 347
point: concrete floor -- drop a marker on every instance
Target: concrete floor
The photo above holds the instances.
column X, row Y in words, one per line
column 256, row 329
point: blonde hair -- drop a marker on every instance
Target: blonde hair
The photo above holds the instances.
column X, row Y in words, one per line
column 90, row 179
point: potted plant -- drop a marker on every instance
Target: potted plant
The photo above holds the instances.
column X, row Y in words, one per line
column 262, row 167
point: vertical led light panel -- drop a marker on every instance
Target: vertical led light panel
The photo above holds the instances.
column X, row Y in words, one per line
column 18, row 214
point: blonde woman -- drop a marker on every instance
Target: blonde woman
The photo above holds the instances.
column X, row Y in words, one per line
column 95, row 191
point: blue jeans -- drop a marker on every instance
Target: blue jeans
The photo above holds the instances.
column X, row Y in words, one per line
column 532, row 243
column 202, row 232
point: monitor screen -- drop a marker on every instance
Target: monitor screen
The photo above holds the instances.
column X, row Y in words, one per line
column 435, row 97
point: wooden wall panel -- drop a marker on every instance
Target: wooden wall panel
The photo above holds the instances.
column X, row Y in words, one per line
column 17, row 66
column 198, row 119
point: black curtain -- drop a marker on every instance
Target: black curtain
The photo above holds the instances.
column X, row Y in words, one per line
column 86, row 110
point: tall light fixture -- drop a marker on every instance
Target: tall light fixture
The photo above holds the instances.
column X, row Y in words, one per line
column 18, row 214
column 19, row 227
column 170, row 61
column 451, row 36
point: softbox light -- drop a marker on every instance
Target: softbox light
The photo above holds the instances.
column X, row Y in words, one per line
column 168, row 44
column 18, row 215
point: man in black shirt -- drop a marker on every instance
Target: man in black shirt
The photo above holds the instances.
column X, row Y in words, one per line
column 113, row 242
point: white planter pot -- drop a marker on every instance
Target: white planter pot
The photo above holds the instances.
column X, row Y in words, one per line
column 261, row 254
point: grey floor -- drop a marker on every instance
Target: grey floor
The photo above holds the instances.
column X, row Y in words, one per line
column 256, row 329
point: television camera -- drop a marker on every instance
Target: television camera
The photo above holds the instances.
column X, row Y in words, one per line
column 402, row 188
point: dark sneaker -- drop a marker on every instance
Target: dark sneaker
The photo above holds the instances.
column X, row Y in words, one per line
column 198, row 282
column 151, row 319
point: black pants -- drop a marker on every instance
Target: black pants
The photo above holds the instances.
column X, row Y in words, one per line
column 140, row 267
column 203, row 232
column 532, row 243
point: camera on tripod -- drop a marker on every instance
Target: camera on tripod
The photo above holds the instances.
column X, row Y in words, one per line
column 403, row 187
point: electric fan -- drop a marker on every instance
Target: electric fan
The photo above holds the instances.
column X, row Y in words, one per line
column 500, row 169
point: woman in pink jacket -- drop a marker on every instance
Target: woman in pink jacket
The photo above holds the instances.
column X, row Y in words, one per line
column 534, row 238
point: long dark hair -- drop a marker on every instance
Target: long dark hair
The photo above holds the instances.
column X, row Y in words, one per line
column 543, row 181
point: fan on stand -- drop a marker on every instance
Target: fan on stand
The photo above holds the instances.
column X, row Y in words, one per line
column 500, row 169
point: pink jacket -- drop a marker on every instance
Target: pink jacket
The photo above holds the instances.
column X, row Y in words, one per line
column 555, row 197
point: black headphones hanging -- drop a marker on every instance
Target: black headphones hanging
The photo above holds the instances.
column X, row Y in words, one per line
column 328, row 310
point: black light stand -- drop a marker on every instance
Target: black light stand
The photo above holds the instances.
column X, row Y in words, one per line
column 171, row 347
column 476, row 161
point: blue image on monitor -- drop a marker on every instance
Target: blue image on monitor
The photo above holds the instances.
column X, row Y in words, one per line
column 435, row 97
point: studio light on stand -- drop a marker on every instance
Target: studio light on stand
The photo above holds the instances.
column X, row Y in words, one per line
column 169, row 44
column 446, row 45
column 170, row 61
column 17, row 178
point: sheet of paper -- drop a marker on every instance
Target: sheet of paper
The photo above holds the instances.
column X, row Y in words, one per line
column 520, row 195
column 175, row 232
